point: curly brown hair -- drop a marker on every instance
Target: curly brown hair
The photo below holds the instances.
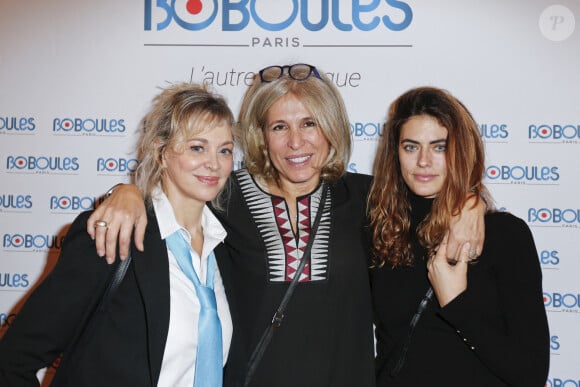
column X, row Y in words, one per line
column 388, row 202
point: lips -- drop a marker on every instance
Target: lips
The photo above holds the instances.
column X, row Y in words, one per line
column 298, row 159
column 424, row 178
column 209, row 180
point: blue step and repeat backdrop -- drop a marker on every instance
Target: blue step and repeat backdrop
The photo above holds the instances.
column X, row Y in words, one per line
column 76, row 77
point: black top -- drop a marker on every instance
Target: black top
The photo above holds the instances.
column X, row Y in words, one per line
column 123, row 343
column 326, row 336
column 493, row 334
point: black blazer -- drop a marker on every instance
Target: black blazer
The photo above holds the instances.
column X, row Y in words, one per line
column 126, row 346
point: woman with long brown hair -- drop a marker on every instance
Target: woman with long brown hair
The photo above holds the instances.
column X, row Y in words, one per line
column 442, row 322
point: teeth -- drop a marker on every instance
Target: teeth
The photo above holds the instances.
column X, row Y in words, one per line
column 299, row 159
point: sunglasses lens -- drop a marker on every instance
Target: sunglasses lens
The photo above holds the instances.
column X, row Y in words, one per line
column 300, row 71
column 271, row 73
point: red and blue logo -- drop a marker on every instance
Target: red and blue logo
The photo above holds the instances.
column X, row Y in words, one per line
column 568, row 217
column 31, row 242
column 566, row 133
column 88, row 126
column 196, row 15
column 521, row 174
column 72, row 203
column 117, row 165
column 42, row 164
column 562, row 302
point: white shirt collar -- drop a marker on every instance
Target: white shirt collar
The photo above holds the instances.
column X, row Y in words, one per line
column 213, row 231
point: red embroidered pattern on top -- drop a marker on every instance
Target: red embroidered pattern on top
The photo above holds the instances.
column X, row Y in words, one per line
column 294, row 251
column 283, row 249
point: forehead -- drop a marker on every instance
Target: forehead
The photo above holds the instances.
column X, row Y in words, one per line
column 288, row 104
column 199, row 122
column 423, row 128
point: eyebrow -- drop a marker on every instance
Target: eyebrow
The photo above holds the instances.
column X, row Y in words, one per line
column 430, row 142
column 203, row 140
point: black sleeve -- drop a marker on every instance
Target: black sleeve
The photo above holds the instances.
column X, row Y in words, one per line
column 56, row 311
column 518, row 354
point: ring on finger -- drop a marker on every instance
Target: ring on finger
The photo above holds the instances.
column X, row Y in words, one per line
column 472, row 254
column 100, row 223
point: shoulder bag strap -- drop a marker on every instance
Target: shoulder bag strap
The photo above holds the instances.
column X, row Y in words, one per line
column 422, row 306
column 279, row 314
column 115, row 280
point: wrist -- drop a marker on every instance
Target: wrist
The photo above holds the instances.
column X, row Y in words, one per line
column 110, row 191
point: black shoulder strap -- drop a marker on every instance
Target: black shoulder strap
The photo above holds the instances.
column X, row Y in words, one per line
column 115, row 281
column 279, row 314
column 88, row 325
column 420, row 309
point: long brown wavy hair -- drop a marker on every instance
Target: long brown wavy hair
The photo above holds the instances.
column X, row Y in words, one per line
column 388, row 203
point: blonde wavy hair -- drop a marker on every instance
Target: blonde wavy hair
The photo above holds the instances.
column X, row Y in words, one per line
column 388, row 202
column 324, row 103
column 179, row 112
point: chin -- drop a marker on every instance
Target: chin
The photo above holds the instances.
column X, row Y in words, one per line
column 425, row 194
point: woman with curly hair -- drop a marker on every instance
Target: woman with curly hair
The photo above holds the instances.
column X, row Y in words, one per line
column 439, row 321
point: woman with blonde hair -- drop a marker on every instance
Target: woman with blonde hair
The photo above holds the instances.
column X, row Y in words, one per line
column 168, row 322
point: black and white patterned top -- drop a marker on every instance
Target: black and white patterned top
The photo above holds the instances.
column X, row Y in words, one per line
column 326, row 338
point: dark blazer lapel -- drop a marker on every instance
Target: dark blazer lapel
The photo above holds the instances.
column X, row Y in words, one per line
column 152, row 274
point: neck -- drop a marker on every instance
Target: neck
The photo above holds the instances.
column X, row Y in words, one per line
column 290, row 191
column 188, row 212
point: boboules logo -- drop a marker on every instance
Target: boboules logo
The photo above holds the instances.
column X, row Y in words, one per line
column 494, row 131
column 557, row 133
column 15, row 202
column 67, row 203
column 557, row 381
column 562, row 217
column 196, row 15
column 58, row 165
column 118, row 166
column 366, row 131
column 24, row 242
column 562, row 302
column 16, row 281
column 17, row 125
column 88, row 127
column 549, row 259
column 523, row 174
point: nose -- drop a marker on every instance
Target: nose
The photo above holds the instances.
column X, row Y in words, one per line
column 212, row 162
column 295, row 139
column 424, row 159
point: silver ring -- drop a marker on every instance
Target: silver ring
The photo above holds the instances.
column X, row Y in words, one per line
column 472, row 254
column 100, row 223
column 463, row 261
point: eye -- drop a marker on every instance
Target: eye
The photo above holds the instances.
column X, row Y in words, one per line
column 226, row 151
column 441, row 147
column 310, row 124
column 278, row 127
column 409, row 147
column 196, row 148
